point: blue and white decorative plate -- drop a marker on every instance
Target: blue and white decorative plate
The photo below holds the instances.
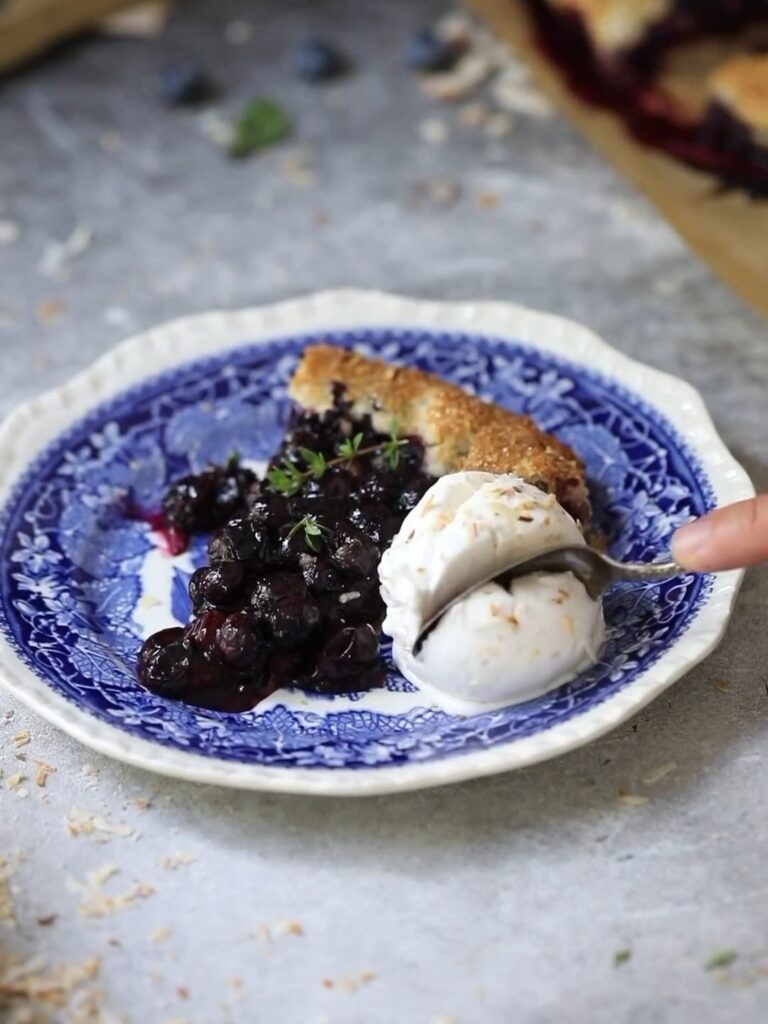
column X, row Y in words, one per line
column 81, row 583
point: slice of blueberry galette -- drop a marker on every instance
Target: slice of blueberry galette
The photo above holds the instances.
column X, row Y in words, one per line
column 290, row 595
column 614, row 53
column 736, row 121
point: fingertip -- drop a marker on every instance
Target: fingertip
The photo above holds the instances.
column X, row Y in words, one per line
column 732, row 537
column 692, row 545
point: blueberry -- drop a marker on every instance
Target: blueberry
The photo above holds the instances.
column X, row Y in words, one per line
column 349, row 651
column 187, row 503
column 337, row 484
column 380, row 487
column 219, row 586
column 231, row 493
column 314, row 502
column 201, row 501
column 318, row 61
column 241, row 540
column 352, row 646
column 293, row 619
column 426, row 51
column 360, row 603
column 266, row 508
column 203, row 631
column 355, row 553
column 319, row 574
column 288, row 550
column 410, row 460
column 267, row 592
column 282, row 602
column 408, row 499
column 240, row 642
column 164, row 662
column 197, row 593
column 368, row 516
column 365, row 678
column 184, row 84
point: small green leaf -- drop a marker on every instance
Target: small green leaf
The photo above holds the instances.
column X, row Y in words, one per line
column 724, row 958
column 350, row 446
column 278, row 479
column 313, row 532
column 621, row 956
column 392, row 446
column 233, row 461
column 391, row 453
column 261, row 123
column 315, row 461
column 286, row 478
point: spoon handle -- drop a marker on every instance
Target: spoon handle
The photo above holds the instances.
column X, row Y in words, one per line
column 645, row 572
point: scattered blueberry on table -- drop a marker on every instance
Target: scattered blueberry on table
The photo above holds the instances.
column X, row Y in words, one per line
column 425, row 51
column 319, row 61
column 184, row 84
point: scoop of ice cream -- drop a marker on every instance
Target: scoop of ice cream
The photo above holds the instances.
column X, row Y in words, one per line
column 496, row 646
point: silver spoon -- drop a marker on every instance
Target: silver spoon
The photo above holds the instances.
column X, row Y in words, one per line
column 597, row 572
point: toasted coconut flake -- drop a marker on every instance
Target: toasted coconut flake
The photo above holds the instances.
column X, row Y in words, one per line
column 102, row 875
column 289, row 928
column 97, row 826
column 180, row 858
column 465, row 78
column 659, row 773
column 43, row 771
column 632, row 799
column 54, row 987
column 98, row 903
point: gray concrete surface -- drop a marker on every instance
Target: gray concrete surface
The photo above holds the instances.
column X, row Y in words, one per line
column 498, row 901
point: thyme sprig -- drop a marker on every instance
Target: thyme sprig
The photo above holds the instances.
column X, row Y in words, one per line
column 313, row 531
column 288, row 479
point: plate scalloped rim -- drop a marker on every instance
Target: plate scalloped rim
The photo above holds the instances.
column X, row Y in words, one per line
column 31, row 426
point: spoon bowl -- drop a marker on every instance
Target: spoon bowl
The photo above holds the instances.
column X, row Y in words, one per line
column 596, row 571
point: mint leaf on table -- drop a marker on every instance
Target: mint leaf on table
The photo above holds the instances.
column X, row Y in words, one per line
column 261, row 123
column 722, row 959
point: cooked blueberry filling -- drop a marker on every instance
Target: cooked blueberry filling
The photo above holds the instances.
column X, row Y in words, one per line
column 290, row 595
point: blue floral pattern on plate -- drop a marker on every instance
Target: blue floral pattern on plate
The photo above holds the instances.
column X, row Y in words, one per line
column 73, row 564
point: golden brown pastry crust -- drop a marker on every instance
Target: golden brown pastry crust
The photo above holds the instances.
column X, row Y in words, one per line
column 617, row 24
column 741, row 85
column 459, row 430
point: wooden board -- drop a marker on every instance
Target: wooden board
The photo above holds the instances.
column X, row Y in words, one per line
column 728, row 230
column 27, row 27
